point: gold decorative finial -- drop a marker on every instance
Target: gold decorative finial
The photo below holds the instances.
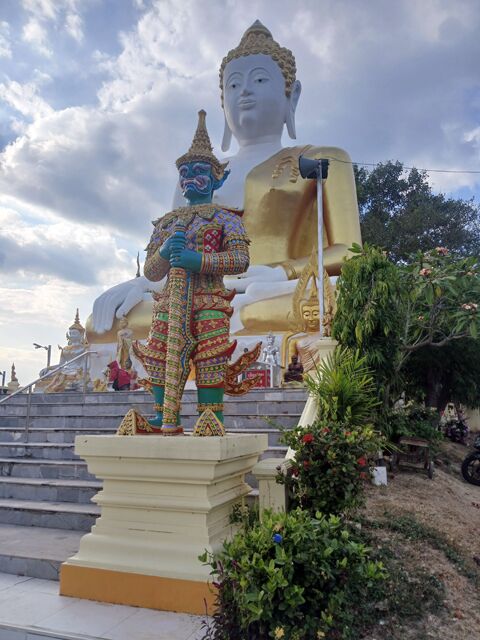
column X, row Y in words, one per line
column 201, row 149
column 258, row 39
column 13, row 375
column 76, row 324
column 313, row 298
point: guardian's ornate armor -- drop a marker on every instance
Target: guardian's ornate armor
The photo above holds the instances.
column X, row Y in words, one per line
column 218, row 234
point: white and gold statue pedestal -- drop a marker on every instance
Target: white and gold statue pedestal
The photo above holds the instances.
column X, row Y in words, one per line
column 164, row 501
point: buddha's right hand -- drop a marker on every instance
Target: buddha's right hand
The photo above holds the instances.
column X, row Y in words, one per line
column 119, row 300
column 255, row 274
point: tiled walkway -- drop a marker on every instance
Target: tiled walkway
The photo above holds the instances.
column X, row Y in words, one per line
column 31, row 609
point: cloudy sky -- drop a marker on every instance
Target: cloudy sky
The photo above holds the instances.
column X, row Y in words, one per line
column 99, row 97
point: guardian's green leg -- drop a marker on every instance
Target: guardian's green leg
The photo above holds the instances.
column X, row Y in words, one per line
column 158, row 394
column 211, row 398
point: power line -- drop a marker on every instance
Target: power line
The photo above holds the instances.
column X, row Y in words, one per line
column 376, row 164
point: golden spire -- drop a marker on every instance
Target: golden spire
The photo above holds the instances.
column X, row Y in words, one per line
column 76, row 324
column 201, row 149
column 313, row 298
column 258, row 39
column 13, row 375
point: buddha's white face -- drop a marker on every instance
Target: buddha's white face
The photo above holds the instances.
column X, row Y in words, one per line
column 255, row 103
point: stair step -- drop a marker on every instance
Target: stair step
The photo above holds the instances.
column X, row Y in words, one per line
column 52, row 490
column 36, row 552
column 95, row 423
column 54, row 515
column 54, row 435
column 47, row 434
column 126, row 397
column 48, row 450
column 243, row 407
column 64, row 450
column 43, row 468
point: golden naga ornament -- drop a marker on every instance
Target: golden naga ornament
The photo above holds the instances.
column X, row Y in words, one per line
column 208, row 425
column 134, row 424
column 258, row 39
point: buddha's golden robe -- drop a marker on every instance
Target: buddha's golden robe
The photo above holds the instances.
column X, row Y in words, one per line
column 280, row 218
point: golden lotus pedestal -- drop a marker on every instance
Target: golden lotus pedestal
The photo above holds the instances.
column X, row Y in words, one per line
column 164, row 502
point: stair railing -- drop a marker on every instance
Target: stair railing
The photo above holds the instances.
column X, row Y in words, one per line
column 86, row 355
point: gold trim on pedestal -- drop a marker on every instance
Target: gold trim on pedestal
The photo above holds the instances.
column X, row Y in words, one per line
column 137, row 590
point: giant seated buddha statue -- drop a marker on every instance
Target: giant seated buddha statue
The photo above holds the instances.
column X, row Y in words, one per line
column 259, row 93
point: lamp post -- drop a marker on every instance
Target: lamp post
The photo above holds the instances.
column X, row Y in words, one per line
column 317, row 170
column 48, row 348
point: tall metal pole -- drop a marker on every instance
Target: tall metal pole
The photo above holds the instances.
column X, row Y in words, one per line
column 49, row 354
column 317, row 170
column 320, row 247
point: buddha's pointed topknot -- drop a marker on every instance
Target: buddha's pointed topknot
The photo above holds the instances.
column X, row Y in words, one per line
column 258, row 27
column 258, row 39
column 201, row 148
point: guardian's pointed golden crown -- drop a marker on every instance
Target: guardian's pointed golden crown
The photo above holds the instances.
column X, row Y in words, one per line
column 201, row 149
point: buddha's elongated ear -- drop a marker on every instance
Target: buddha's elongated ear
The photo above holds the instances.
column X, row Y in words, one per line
column 291, row 108
column 227, row 136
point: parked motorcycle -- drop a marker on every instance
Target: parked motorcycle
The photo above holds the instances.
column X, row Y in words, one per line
column 471, row 464
column 457, row 430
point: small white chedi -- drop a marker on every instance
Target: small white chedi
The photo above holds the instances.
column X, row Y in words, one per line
column 71, row 376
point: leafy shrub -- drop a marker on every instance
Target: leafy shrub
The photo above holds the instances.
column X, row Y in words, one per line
column 344, row 388
column 330, row 466
column 289, row 577
column 411, row 420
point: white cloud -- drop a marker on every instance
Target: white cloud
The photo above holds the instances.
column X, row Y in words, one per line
column 374, row 83
column 74, row 253
column 73, row 26
column 37, row 312
column 63, row 13
column 45, row 9
column 36, row 34
column 24, row 98
column 5, row 48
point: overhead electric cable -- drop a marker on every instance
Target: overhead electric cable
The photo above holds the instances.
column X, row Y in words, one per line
column 376, row 164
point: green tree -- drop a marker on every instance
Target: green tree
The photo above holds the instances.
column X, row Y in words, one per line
column 370, row 294
column 393, row 311
column 451, row 374
column 400, row 213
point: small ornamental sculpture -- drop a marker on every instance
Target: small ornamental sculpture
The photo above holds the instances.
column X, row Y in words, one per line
column 194, row 246
column 13, row 385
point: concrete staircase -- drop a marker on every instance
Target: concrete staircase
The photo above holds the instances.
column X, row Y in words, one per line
column 46, row 490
